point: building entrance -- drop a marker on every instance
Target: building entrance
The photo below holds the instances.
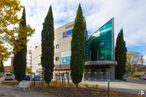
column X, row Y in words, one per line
column 94, row 53
column 97, row 73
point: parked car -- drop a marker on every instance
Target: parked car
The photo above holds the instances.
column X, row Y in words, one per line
column 27, row 77
column 142, row 77
column 9, row 76
column 37, row 78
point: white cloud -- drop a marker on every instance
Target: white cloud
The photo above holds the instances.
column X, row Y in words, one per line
column 129, row 15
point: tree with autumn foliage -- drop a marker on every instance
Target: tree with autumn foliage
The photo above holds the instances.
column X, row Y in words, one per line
column 133, row 60
column 9, row 28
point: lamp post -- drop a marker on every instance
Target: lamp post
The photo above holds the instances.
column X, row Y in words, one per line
column 108, row 91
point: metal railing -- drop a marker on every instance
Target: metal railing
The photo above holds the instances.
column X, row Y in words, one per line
column 97, row 75
column 100, row 62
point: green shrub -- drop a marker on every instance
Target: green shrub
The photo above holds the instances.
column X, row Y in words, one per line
column 134, row 75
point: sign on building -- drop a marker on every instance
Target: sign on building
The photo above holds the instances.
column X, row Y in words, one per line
column 67, row 33
column 65, row 57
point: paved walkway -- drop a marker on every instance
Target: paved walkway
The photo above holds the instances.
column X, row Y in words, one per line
column 120, row 85
column 7, row 91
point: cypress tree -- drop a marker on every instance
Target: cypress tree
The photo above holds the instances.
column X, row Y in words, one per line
column 47, row 57
column 120, row 56
column 1, row 66
column 19, row 62
column 78, row 47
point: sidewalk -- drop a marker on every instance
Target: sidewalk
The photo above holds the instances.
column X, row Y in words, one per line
column 7, row 91
column 119, row 85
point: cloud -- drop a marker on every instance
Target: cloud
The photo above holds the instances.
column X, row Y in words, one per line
column 129, row 15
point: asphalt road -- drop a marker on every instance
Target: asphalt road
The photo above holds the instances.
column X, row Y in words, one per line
column 136, row 80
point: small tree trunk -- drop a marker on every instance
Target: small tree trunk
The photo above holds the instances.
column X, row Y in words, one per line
column 48, row 84
column 77, row 85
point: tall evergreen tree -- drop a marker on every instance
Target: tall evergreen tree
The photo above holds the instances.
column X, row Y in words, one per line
column 1, row 66
column 78, row 47
column 47, row 57
column 19, row 62
column 120, row 56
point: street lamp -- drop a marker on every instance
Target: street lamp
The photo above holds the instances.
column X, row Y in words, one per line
column 108, row 91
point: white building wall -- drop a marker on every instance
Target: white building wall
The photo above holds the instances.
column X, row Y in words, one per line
column 29, row 58
column 36, row 59
column 64, row 43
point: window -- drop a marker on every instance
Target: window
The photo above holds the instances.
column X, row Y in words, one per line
column 57, row 46
column 57, row 58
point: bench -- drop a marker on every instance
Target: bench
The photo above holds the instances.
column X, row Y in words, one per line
column 24, row 85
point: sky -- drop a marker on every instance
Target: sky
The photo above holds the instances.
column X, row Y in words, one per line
column 128, row 14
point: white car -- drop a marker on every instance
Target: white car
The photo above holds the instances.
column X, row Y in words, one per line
column 143, row 77
column 9, row 76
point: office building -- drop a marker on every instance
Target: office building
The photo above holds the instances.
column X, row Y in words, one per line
column 100, row 63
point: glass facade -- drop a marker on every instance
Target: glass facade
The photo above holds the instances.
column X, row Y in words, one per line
column 100, row 44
